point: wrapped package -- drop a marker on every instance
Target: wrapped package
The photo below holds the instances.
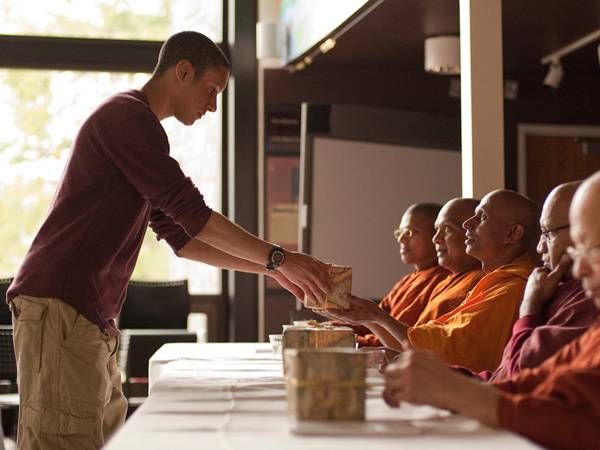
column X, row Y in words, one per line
column 342, row 280
column 316, row 337
column 326, row 384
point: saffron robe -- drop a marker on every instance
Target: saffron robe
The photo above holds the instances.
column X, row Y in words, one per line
column 536, row 337
column 407, row 299
column 557, row 404
column 449, row 294
column 474, row 334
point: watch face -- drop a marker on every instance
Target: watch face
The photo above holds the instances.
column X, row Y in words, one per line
column 277, row 257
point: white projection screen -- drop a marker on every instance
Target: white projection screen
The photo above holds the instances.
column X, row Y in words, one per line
column 358, row 192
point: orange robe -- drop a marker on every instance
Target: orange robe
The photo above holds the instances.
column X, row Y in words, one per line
column 474, row 334
column 408, row 297
column 557, row 404
column 449, row 294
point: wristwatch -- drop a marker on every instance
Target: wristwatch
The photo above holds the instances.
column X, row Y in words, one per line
column 276, row 258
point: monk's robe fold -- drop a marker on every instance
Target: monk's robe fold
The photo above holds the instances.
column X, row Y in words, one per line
column 474, row 334
column 449, row 294
column 557, row 404
column 536, row 337
column 407, row 299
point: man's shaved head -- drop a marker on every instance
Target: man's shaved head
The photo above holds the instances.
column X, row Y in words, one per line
column 449, row 238
column 554, row 224
column 505, row 226
column 585, row 233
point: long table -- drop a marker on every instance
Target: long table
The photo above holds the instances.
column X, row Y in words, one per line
column 232, row 396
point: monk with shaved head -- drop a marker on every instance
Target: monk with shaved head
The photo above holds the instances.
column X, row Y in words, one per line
column 555, row 309
column 410, row 295
column 449, row 241
column 556, row 404
column 500, row 234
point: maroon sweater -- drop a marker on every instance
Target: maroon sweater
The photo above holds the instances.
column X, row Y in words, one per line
column 118, row 179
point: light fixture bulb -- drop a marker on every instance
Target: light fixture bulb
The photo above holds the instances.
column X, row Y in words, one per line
column 555, row 74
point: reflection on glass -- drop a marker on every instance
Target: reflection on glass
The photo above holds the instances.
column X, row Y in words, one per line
column 41, row 112
column 114, row 19
column 306, row 22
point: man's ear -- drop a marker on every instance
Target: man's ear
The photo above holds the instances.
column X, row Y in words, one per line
column 515, row 233
column 184, row 70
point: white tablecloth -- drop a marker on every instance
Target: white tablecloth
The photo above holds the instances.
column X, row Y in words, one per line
column 232, row 396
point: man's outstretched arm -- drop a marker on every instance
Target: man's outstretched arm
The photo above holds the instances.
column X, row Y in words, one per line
column 309, row 274
column 199, row 251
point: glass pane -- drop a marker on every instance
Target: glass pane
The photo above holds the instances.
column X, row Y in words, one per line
column 41, row 112
column 306, row 22
column 112, row 19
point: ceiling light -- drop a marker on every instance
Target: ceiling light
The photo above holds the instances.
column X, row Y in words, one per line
column 442, row 55
column 555, row 74
column 327, row 45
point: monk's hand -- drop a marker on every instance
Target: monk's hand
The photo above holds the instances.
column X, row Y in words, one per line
column 310, row 275
column 417, row 378
column 361, row 311
column 541, row 286
column 287, row 285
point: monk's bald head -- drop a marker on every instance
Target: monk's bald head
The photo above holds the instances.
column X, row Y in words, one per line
column 505, row 225
column 415, row 233
column 449, row 238
column 554, row 224
column 585, row 233
column 428, row 211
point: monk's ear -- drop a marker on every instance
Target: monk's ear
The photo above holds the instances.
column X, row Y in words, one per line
column 515, row 234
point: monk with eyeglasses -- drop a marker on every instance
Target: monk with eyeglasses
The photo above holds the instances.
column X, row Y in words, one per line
column 410, row 295
column 555, row 309
column 501, row 235
column 557, row 404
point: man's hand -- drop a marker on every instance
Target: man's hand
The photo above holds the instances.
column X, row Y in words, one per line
column 541, row 287
column 287, row 285
column 422, row 379
column 308, row 274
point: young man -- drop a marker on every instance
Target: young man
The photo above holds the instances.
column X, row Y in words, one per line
column 72, row 283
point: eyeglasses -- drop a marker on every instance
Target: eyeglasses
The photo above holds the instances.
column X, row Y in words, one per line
column 403, row 232
column 591, row 254
column 553, row 232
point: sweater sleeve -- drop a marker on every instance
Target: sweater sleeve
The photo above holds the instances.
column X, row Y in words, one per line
column 166, row 229
column 139, row 148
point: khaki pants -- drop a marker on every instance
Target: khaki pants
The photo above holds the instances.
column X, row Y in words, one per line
column 69, row 384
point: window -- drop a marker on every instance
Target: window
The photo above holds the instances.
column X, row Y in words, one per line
column 114, row 19
column 42, row 110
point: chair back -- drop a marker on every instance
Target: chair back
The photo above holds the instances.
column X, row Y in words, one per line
column 5, row 314
column 156, row 305
column 8, row 363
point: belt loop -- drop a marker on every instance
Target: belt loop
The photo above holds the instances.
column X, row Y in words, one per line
column 13, row 308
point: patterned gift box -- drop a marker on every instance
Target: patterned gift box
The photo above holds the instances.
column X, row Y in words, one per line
column 326, row 384
column 316, row 337
column 342, row 280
